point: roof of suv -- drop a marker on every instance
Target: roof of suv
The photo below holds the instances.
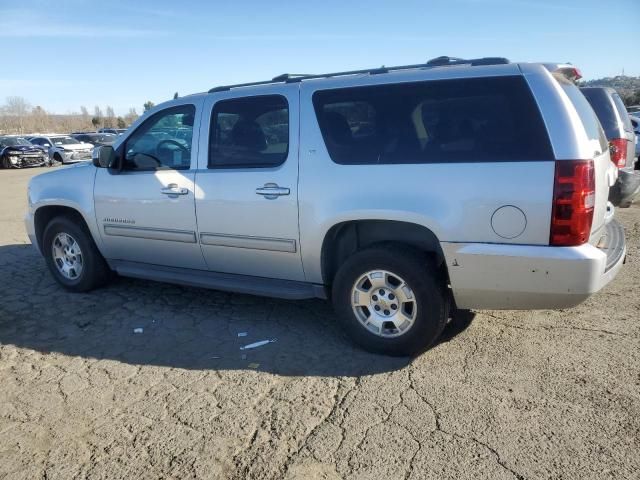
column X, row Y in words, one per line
column 443, row 61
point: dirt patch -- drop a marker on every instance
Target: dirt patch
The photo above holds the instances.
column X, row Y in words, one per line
column 544, row 394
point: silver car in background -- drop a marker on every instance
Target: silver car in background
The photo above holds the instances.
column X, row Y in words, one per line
column 63, row 148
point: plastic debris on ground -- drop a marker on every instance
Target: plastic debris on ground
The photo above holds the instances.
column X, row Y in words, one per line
column 257, row 344
column 138, row 330
column 242, row 334
column 253, row 365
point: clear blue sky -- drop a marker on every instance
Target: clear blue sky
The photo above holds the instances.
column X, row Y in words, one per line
column 63, row 54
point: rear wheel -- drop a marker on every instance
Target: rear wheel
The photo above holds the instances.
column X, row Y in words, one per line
column 5, row 163
column 390, row 301
column 72, row 256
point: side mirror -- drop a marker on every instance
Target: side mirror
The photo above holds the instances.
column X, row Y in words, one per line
column 104, row 157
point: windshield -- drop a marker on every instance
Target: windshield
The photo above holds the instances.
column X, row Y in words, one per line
column 13, row 141
column 64, row 141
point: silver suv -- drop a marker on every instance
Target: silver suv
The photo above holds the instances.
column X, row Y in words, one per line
column 399, row 193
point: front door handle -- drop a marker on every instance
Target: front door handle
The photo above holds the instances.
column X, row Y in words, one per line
column 271, row 191
column 173, row 189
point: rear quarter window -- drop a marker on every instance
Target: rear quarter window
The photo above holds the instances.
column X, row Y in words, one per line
column 491, row 119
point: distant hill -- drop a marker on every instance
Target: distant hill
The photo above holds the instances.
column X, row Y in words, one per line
column 627, row 87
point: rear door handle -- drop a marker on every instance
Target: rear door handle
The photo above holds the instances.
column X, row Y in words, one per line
column 173, row 189
column 271, row 191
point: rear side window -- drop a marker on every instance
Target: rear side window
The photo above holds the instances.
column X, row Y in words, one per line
column 250, row 132
column 463, row 120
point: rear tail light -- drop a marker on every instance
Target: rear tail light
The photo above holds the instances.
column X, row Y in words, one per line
column 573, row 202
column 618, row 151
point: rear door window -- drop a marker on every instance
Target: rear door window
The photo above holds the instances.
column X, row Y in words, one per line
column 461, row 120
column 249, row 132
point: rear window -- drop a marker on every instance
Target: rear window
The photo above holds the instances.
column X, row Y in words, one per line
column 622, row 112
column 604, row 109
column 463, row 120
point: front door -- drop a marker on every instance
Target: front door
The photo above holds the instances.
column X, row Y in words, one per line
column 146, row 210
column 247, row 184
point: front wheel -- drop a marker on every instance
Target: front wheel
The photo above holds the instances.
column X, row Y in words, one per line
column 72, row 256
column 390, row 301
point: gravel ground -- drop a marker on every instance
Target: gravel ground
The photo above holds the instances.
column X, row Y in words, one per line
column 544, row 394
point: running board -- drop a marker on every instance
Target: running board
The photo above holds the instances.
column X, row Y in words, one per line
column 228, row 282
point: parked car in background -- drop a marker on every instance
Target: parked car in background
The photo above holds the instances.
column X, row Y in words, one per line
column 115, row 131
column 634, row 110
column 622, row 141
column 63, row 148
column 635, row 123
column 399, row 192
column 18, row 152
column 95, row 139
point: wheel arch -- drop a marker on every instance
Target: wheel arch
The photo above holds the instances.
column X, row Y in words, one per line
column 43, row 215
column 346, row 238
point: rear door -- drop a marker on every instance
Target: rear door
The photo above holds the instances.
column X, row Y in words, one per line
column 247, row 183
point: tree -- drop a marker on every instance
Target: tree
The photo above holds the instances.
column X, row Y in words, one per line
column 39, row 120
column 175, row 95
column 18, row 108
column 97, row 117
column 110, row 118
column 86, row 119
column 121, row 122
column 131, row 117
column 148, row 105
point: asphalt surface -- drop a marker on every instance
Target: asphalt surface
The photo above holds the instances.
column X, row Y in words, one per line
column 524, row 395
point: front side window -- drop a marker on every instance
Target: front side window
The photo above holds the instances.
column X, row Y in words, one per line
column 251, row 132
column 159, row 143
column 462, row 120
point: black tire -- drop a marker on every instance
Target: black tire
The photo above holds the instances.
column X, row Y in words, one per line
column 57, row 158
column 430, row 294
column 5, row 163
column 95, row 271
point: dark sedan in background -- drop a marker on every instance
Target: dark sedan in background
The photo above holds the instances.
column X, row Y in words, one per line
column 17, row 152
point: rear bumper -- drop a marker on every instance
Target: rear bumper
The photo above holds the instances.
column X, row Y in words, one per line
column 498, row 276
column 626, row 188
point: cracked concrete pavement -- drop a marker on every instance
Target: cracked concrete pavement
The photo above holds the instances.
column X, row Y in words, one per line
column 504, row 395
